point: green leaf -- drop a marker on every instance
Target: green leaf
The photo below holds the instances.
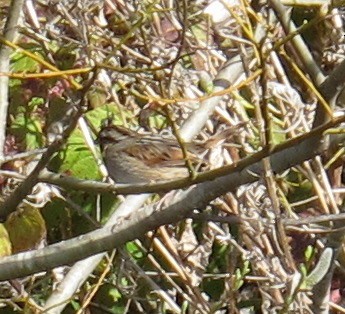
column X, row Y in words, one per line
column 23, row 63
column 321, row 268
column 157, row 121
column 28, row 130
column 110, row 110
column 77, row 159
column 241, row 273
column 309, row 253
column 14, row 83
column 277, row 134
column 239, row 281
column 133, row 249
column 35, row 102
column 303, row 269
column 110, row 298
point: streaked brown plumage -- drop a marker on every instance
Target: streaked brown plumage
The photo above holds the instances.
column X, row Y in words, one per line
column 131, row 157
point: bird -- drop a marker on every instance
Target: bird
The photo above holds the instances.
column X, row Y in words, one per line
column 131, row 157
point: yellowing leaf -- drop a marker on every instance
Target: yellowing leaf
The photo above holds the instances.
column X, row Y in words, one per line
column 26, row 228
column 5, row 243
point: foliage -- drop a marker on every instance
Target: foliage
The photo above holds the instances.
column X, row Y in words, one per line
column 149, row 65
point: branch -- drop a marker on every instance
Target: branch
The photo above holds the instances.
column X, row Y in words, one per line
column 192, row 127
column 287, row 147
column 9, row 34
column 135, row 225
